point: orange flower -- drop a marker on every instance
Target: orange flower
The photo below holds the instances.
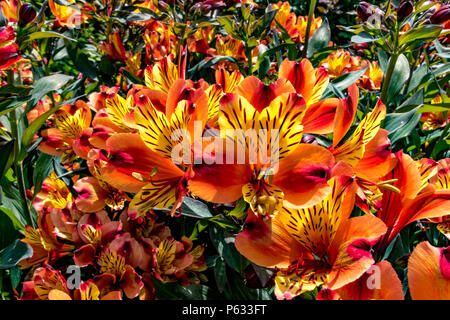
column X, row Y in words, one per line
column 380, row 282
column 8, row 49
column 295, row 26
column 398, row 209
column 429, row 272
column 70, row 138
column 340, row 62
column 434, row 120
column 318, row 245
column 67, row 16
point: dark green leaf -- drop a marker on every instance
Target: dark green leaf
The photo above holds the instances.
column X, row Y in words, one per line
column 14, row 253
column 399, row 76
column 47, row 84
column 195, row 208
column 174, row 291
column 44, row 166
column 220, row 274
column 320, row 38
column 344, row 81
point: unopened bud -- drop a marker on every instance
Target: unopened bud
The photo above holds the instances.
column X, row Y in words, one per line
column 442, row 15
column 404, row 9
column 27, row 13
column 364, row 10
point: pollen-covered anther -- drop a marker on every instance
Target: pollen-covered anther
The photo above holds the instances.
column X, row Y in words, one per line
column 139, row 177
column 388, row 186
column 266, row 205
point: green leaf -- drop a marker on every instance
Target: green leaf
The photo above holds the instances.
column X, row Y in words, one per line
column 195, row 209
column 15, row 90
column 7, row 157
column 344, row 81
column 415, row 100
column 46, row 34
column 17, row 221
column 362, row 37
column 220, row 274
column 240, row 210
column 439, row 107
column 383, row 59
column 405, row 123
column 15, row 274
column 424, row 32
column 417, row 76
column 14, row 253
column 395, row 121
column 320, row 38
column 81, row 60
column 43, row 168
column 47, row 84
column 399, row 76
column 175, row 291
column 8, row 105
column 224, row 244
column 208, row 62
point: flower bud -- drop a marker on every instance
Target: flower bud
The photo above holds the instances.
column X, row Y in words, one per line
column 390, row 21
column 364, row 10
column 404, row 9
column 442, row 15
column 27, row 13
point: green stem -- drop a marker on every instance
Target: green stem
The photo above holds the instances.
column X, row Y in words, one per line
column 248, row 53
column 387, row 79
column 17, row 163
column 392, row 62
column 312, row 7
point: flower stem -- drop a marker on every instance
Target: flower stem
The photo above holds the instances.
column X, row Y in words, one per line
column 312, row 7
column 387, row 79
column 17, row 163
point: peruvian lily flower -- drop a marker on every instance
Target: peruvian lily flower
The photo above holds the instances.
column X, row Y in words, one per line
column 67, row 16
column 70, row 138
column 429, row 272
column 314, row 246
column 303, row 170
column 380, row 282
column 46, row 246
column 94, row 192
column 412, row 203
column 8, row 49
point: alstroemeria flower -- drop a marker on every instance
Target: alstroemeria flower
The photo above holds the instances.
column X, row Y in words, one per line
column 372, row 78
column 9, row 9
column 46, row 246
column 89, row 290
column 163, row 74
column 8, row 49
column 429, row 272
column 70, row 138
column 295, row 26
column 94, row 192
column 434, row 120
column 302, row 169
column 54, row 194
column 340, row 62
column 67, row 16
column 380, row 282
column 45, row 281
column 319, row 245
column 398, row 209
